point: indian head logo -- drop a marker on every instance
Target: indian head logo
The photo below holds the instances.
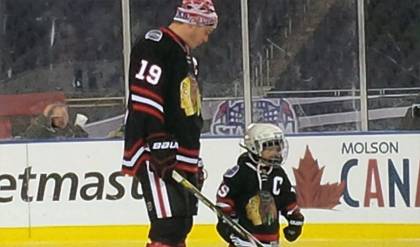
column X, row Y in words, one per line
column 229, row 119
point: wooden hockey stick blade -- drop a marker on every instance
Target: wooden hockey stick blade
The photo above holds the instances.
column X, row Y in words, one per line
column 200, row 196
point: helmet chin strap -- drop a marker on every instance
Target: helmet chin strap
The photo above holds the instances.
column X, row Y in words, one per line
column 271, row 162
column 260, row 160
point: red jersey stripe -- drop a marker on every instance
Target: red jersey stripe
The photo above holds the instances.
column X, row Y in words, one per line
column 186, row 167
column 147, row 93
column 149, row 110
column 267, row 237
column 188, row 152
column 160, row 196
column 130, row 152
column 132, row 171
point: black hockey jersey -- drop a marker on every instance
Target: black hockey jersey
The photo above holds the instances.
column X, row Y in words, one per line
column 164, row 99
column 256, row 196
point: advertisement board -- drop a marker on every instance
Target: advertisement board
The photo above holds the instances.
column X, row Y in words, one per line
column 338, row 179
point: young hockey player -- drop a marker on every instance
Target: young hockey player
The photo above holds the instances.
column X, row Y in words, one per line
column 257, row 189
column 163, row 124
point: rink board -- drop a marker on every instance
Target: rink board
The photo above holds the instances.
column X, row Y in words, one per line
column 72, row 192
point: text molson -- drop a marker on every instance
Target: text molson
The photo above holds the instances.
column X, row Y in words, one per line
column 370, row 148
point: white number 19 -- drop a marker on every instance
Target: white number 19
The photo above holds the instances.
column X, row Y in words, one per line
column 152, row 75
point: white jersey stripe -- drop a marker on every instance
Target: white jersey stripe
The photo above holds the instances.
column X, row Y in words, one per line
column 153, row 188
column 192, row 161
column 165, row 198
column 223, row 205
column 136, row 156
column 147, row 101
column 156, row 188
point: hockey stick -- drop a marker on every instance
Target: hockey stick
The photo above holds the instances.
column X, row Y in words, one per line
column 235, row 226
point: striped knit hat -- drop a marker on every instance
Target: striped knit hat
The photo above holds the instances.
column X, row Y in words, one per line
column 197, row 12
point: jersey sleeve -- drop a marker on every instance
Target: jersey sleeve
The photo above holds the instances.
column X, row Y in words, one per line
column 228, row 191
column 147, row 84
column 147, row 87
column 225, row 200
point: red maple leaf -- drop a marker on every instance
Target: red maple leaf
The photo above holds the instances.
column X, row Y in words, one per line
column 310, row 192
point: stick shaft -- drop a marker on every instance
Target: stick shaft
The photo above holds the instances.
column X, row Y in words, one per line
column 200, row 196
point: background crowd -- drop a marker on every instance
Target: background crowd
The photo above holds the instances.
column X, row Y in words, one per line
column 76, row 47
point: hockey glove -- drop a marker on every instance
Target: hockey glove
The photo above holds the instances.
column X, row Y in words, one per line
column 224, row 230
column 294, row 229
column 163, row 150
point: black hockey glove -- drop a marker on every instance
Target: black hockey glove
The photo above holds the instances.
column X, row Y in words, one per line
column 294, row 229
column 224, row 229
column 163, row 150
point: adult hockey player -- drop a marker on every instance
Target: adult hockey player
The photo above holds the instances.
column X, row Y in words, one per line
column 257, row 190
column 163, row 123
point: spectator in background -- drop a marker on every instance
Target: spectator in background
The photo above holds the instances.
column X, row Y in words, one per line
column 118, row 133
column 54, row 123
column 411, row 120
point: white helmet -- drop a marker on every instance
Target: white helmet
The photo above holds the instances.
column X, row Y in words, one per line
column 261, row 135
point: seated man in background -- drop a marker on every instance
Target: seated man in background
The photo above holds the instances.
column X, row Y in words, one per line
column 118, row 133
column 54, row 123
column 411, row 120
